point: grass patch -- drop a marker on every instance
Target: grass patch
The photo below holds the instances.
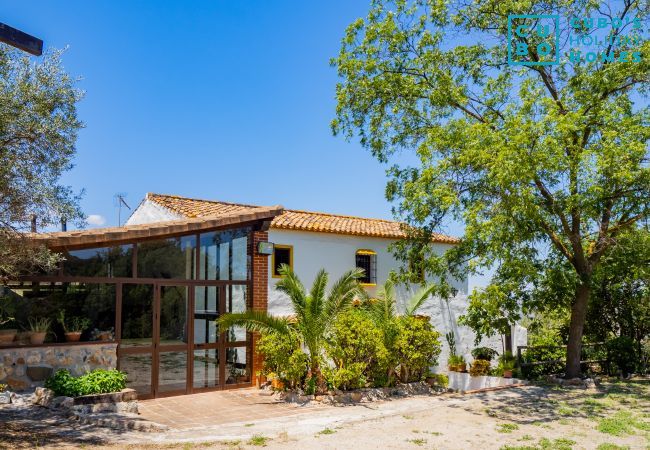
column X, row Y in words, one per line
column 408, row 416
column 507, row 427
column 544, row 444
column 622, row 423
column 526, row 437
column 327, row 431
column 417, row 441
column 258, row 440
column 249, row 424
column 608, row 446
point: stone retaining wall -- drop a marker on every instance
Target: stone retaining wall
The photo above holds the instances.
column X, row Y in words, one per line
column 459, row 381
column 28, row 367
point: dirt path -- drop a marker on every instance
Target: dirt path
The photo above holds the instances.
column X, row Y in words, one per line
column 523, row 418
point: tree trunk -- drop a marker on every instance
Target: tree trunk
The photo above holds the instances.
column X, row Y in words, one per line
column 578, row 314
column 507, row 337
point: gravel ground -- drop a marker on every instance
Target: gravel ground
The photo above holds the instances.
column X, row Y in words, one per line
column 522, row 418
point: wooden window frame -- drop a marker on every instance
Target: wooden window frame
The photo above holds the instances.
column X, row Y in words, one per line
column 285, row 247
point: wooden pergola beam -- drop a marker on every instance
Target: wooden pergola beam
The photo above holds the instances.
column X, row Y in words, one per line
column 21, row 40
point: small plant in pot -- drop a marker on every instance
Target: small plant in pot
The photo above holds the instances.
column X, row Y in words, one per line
column 39, row 327
column 73, row 326
column 506, row 364
column 484, row 353
column 457, row 363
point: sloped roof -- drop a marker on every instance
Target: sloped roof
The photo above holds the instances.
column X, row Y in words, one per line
column 116, row 235
column 293, row 219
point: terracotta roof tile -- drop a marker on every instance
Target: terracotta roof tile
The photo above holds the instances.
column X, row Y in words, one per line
column 293, row 219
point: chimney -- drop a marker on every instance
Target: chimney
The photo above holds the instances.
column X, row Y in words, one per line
column 33, row 223
column 64, row 224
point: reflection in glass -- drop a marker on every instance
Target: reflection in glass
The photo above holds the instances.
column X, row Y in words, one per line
column 206, row 311
column 224, row 255
column 206, row 368
column 93, row 301
column 172, row 375
column 237, row 365
column 138, row 372
column 137, row 315
column 173, row 315
column 100, row 262
column 167, row 258
column 236, row 300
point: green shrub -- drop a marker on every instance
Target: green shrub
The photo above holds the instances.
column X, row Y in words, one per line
column 544, row 348
column 622, row 353
column 441, row 379
column 62, row 383
column 99, row 381
column 484, row 353
column 283, row 356
column 344, row 378
column 356, row 341
column 417, row 347
column 479, row 367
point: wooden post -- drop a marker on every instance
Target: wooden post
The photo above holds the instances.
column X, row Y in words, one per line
column 20, row 40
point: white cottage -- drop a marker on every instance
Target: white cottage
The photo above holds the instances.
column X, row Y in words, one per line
column 309, row 241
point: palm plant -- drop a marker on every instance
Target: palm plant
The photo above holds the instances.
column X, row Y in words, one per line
column 313, row 312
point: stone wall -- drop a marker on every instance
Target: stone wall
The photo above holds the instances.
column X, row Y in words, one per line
column 26, row 367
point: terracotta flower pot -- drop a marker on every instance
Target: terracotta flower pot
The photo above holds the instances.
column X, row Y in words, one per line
column 462, row 367
column 452, row 367
column 73, row 336
column 507, row 374
column 37, row 337
column 7, row 336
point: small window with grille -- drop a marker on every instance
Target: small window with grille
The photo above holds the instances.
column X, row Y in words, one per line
column 367, row 260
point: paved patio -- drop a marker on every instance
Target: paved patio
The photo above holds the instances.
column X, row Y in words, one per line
column 217, row 408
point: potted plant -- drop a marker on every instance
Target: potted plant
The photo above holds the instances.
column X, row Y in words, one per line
column 484, row 353
column 73, row 326
column 7, row 335
column 452, row 363
column 461, row 366
column 506, row 364
column 39, row 328
column 102, row 335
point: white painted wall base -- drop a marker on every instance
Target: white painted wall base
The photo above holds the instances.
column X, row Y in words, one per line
column 460, row 381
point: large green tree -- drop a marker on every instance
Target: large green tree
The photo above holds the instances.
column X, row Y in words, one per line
column 38, row 132
column 530, row 157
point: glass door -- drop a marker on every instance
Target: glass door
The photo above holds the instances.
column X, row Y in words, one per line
column 136, row 336
column 207, row 353
column 171, row 340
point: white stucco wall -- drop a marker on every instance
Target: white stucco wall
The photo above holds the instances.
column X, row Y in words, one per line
column 336, row 254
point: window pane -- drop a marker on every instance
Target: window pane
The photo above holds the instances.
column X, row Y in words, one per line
column 206, row 368
column 99, row 262
column 137, row 315
column 167, row 258
column 237, row 365
column 91, row 304
column 206, row 311
column 236, row 301
column 172, row 375
column 173, row 315
column 363, row 262
column 138, row 372
column 281, row 256
column 224, row 255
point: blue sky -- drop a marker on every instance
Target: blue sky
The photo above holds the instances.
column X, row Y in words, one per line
column 222, row 100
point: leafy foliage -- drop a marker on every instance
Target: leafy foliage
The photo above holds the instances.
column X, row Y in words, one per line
column 484, row 353
column 314, row 312
column 479, row 367
column 538, row 161
column 283, row 356
column 622, row 352
column 417, row 347
column 98, row 381
column 38, row 131
column 355, row 344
